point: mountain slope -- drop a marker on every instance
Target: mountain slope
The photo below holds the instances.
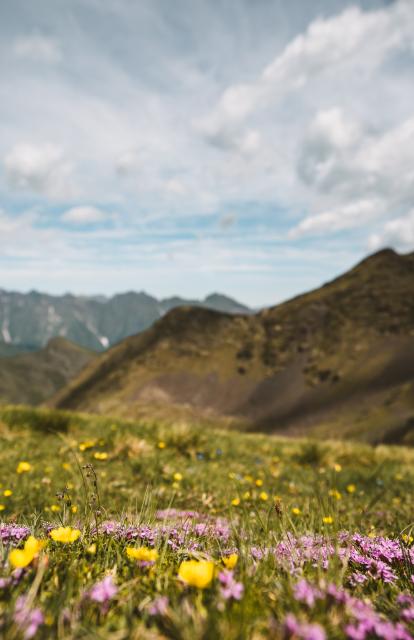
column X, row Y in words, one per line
column 30, row 378
column 30, row 320
column 338, row 360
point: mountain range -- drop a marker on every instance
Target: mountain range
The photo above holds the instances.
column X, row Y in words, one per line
column 335, row 362
column 29, row 320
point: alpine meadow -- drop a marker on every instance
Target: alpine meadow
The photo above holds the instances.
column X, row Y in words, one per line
column 206, row 320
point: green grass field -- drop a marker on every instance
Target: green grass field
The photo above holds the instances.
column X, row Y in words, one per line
column 288, row 538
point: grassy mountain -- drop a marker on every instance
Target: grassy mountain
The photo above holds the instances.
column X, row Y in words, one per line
column 30, row 378
column 338, row 360
column 28, row 321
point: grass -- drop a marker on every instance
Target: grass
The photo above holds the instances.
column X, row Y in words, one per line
column 255, row 497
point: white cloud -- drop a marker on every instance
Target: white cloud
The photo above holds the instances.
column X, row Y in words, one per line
column 348, row 216
column 85, row 215
column 175, row 187
column 364, row 174
column 352, row 38
column 41, row 168
column 37, row 47
column 398, row 233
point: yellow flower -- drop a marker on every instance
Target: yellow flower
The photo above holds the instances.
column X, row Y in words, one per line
column 246, row 495
column 398, row 476
column 235, row 502
column 230, row 561
column 65, row 534
column 351, row 488
column 23, row 467
column 259, row 482
column 55, row 508
column 337, row 467
column 74, row 508
column 91, row 549
column 66, row 466
column 175, row 485
column 296, row 511
column 196, row 573
column 334, row 493
column 7, row 493
column 88, row 444
column 100, row 455
column 264, row 496
column 2, row 507
column 20, row 558
column 178, row 477
column 161, row 444
column 249, row 478
column 327, row 520
column 144, row 554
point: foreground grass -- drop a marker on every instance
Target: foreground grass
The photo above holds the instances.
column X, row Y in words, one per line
column 296, row 539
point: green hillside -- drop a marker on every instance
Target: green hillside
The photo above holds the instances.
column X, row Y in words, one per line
column 33, row 377
column 286, row 538
column 338, row 361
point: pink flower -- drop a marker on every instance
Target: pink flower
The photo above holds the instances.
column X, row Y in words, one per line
column 103, row 591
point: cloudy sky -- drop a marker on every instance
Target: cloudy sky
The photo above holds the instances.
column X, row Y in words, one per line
column 257, row 148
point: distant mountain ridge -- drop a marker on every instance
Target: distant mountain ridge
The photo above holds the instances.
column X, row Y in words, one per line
column 335, row 362
column 29, row 320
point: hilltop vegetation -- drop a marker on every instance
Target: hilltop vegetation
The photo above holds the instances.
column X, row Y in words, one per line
column 338, row 361
column 285, row 538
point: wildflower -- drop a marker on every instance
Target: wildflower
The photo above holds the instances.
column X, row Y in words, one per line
column 2, row 507
column 88, row 444
column 305, row 592
column 334, row 493
column 177, row 477
column 263, row 496
column 196, row 573
column 74, row 508
column 143, row 554
column 259, row 482
column 23, row 467
column 20, row 558
column 408, row 539
column 91, row 550
column 327, row 520
column 100, row 455
column 246, row 495
column 159, row 606
column 67, row 535
column 229, row 587
column 55, row 508
column 337, row 467
column 7, row 493
column 295, row 629
column 296, row 511
column 235, row 502
column 161, row 444
column 28, row 620
column 66, row 466
column 351, row 488
column 230, row 561
column 102, row 592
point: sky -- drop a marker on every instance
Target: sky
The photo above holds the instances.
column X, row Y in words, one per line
column 256, row 148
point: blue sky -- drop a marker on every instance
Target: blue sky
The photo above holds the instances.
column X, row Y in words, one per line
column 253, row 148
